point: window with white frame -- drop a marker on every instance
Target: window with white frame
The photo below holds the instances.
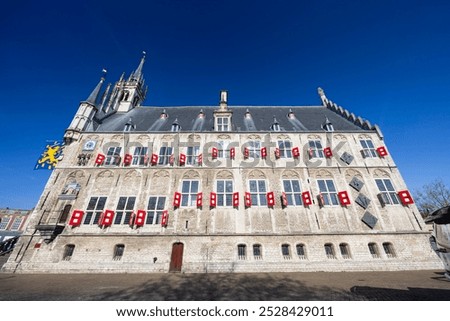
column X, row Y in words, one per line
column 258, row 192
column 164, row 155
column 242, row 252
column 140, row 156
column 254, row 149
column 189, row 190
column 301, row 251
column 223, row 150
column 368, row 149
column 94, row 210
column 387, row 192
column 4, row 222
column 192, row 155
column 124, row 210
column 16, row 223
column 293, row 192
column 224, row 189
column 222, row 124
column 155, row 209
column 257, row 252
column 113, row 156
column 285, row 147
column 315, row 149
column 328, row 193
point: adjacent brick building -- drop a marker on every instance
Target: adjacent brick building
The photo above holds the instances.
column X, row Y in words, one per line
column 221, row 189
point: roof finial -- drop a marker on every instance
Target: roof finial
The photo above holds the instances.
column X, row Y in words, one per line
column 137, row 75
column 322, row 96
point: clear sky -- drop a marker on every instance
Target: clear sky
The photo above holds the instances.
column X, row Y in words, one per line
column 386, row 61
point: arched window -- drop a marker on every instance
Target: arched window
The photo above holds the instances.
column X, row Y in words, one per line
column 329, row 251
column 118, row 252
column 64, row 214
column 242, row 252
column 345, row 251
column 301, row 251
column 286, row 251
column 373, row 249
column 68, row 252
column 389, row 250
column 257, row 253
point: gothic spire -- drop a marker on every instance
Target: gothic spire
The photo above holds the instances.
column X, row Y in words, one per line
column 92, row 99
column 138, row 72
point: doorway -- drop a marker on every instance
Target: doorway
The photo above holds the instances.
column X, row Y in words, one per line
column 176, row 260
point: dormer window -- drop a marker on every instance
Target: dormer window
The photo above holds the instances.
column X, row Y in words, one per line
column 223, row 124
column 129, row 126
column 175, row 126
column 275, row 127
column 328, row 126
column 291, row 114
column 163, row 115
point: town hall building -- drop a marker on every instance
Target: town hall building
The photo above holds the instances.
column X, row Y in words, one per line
column 204, row 189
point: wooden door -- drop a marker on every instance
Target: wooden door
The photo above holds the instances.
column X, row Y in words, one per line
column 176, row 260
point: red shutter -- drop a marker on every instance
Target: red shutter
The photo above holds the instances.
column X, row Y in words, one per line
column 177, row 199
column 344, row 198
column 246, row 152
column 182, row 159
column 145, row 159
column 107, row 218
column 140, row 218
column 200, row 159
column 284, row 200
column 306, row 197
column 165, row 218
column 75, row 219
column 321, row 200
column 127, row 159
column 295, row 152
column 212, row 199
column 405, row 197
column 327, row 151
column 248, row 199
column 270, row 198
column 154, row 159
column 232, row 152
column 382, row 152
column 199, row 199
column 214, row 152
column 171, row 159
column 236, row 199
column 311, row 153
column 277, row 153
column 100, row 159
column 263, row 152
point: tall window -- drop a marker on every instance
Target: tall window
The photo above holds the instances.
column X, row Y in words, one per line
column 16, row 223
column 368, row 150
column 315, row 149
column 164, row 155
column 389, row 249
column 328, row 192
column 285, row 147
column 301, row 251
column 94, row 210
column 192, row 155
column 257, row 253
column 124, row 210
column 155, row 209
column 118, row 252
column 373, row 249
column 224, row 192
column 254, row 148
column 4, row 223
column 139, row 156
column 242, row 252
column 223, row 150
column 258, row 192
column 286, row 251
column 64, row 214
column 329, row 251
column 293, row 192
column 223, row 124
column 68, row 252
column 387, row 194
column 189, row 190
column 345, row 251
column 113, row 156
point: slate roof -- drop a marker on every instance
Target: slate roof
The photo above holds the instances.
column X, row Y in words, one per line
column 148, row 119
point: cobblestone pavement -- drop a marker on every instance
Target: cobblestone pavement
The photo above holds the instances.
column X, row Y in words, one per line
column 317, row 286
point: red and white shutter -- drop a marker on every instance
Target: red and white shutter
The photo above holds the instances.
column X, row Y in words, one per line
column 107, row 219
column 264, row 152
column 236, row 199
column 277, row 153
column 284, row 200
column 127, row 159
column 182, row 159
column 382, row 152
column 214, row 152
column 176, row 199
column 145, row 159
column 306, row 197
column 165, row 218
column 248, row 199
column 171, row 159
column 344, row 198
column 199, row 199
column 212, row 199
column 200, row 159
column 246, row 152
column 75, row 219
column 140, row 218
column 328, row 153
column 154, row 160
column 100, row 159
column 232, row 152
column 270, row 198
column 405, row 197
column 295, row 152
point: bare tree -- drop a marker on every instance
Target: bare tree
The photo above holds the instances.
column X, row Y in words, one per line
column 432, row 197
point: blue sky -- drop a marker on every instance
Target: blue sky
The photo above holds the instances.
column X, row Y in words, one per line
column 386, row 61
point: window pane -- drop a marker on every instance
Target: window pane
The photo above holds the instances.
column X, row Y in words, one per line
column 262, row 186
column 380, row 185
column 262, row 199
column 229, row 199
column 287, row 186
column 252, row 186
column 151, row 203
column 220, row 199
column 101, row 203
column 130, row 204
column 389, row 185
column 185, row 187
column 298, row 199
column 296, row 186
column 220, row 187
column 330, row 185
column 92, row 203
column 229, row 185
column 322, row 186
column 161, row 203
column 194, row 187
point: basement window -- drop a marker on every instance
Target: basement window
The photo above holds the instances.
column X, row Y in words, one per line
column 68, row 252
